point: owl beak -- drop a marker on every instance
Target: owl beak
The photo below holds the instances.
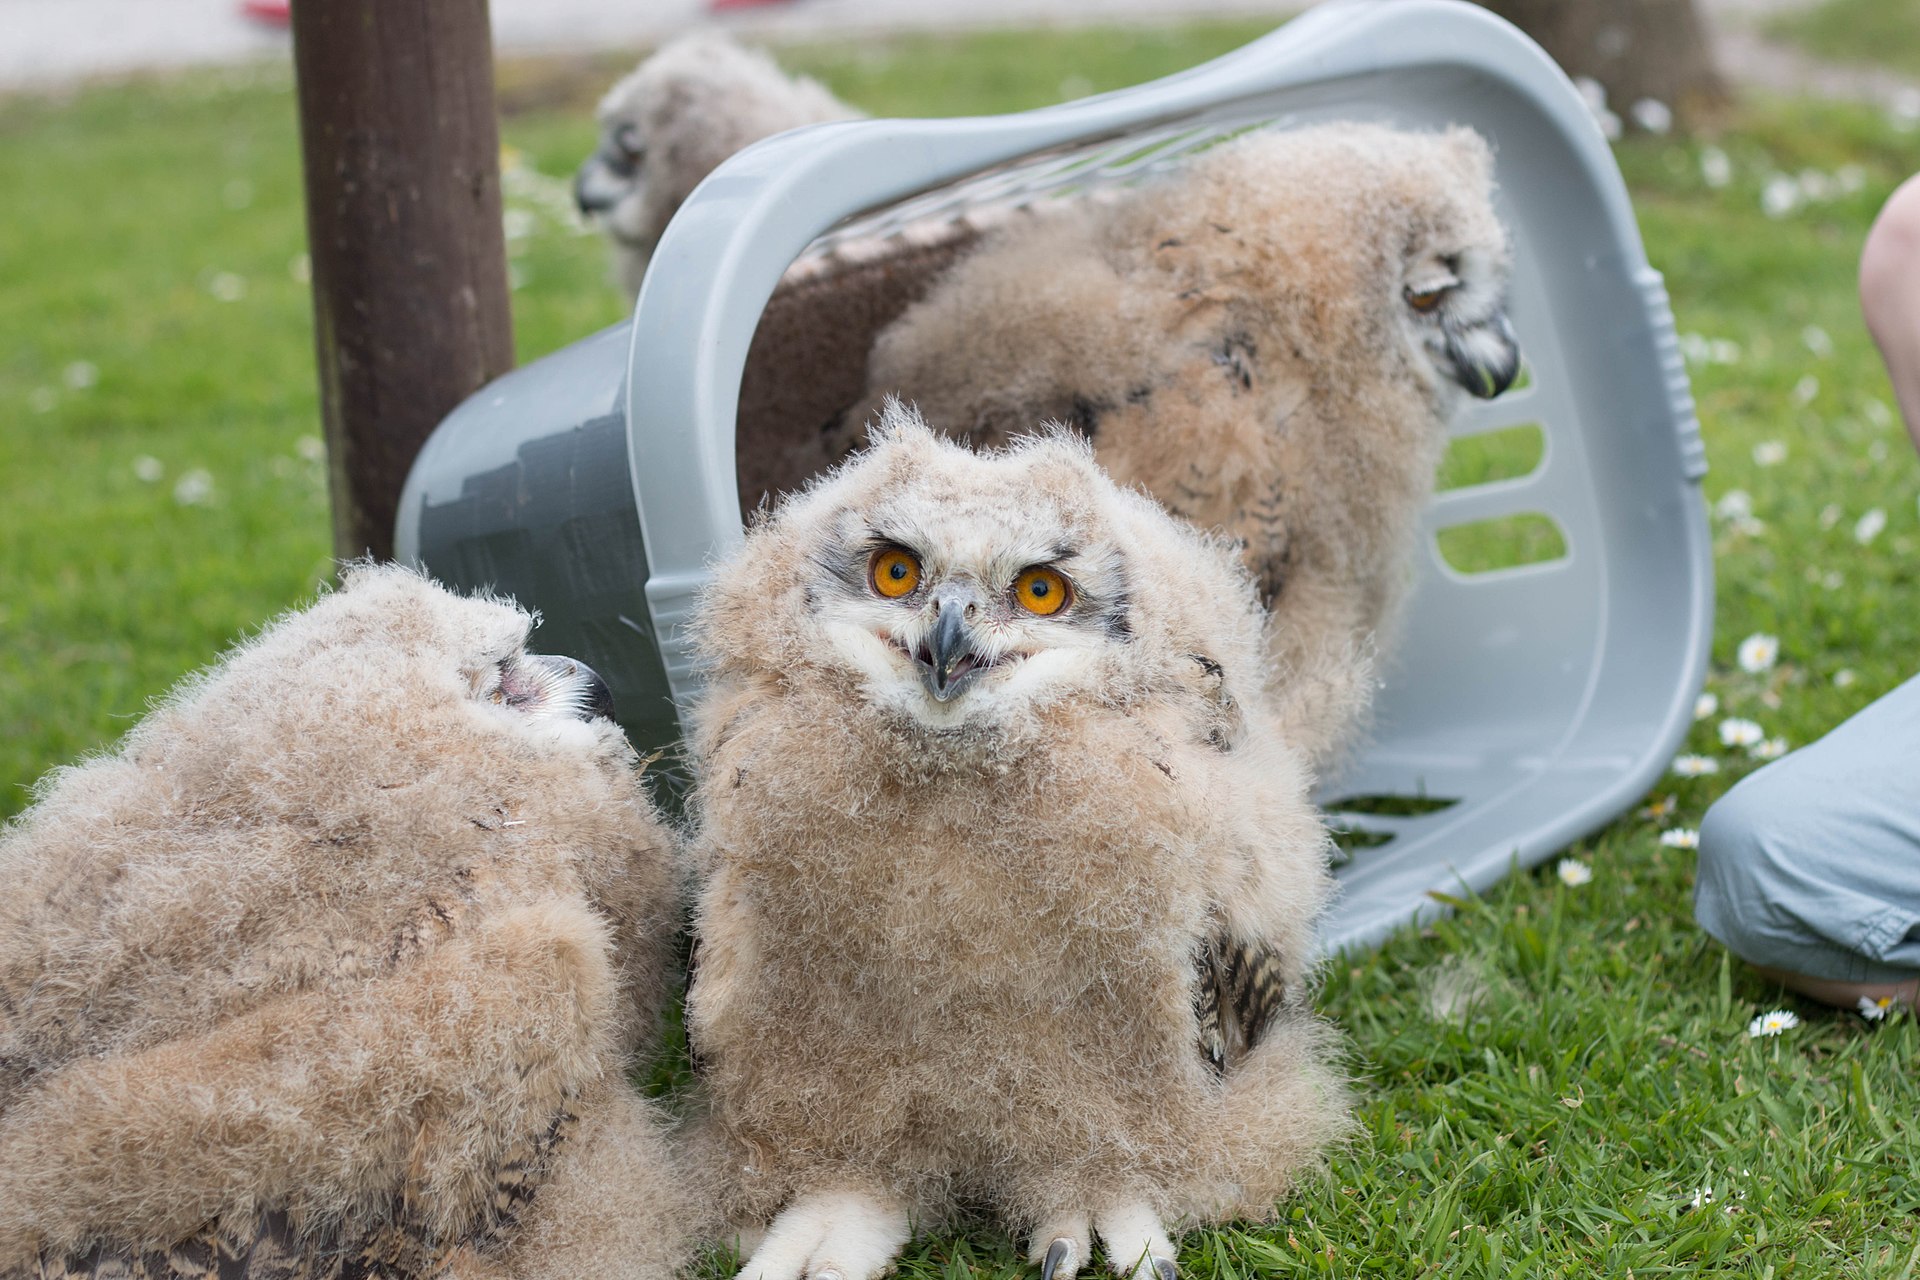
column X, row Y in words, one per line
column 581, row 687
column 603, row 181
column 1485, row 356
column 946, row 658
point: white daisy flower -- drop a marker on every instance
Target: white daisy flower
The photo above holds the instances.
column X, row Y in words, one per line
column 1768, row 749
column 312, row 448
column 1769, row 453
column 1845, row 678
column 80, row 375
column 1817, row 340
column 227, row 287
column 518, row 224
column 1692, row 766
column 1758, row 652
column 194, row 489
column 148, row 469
column 1573, row 872
column 1724, row 351
column 1874, row 1010
column 1705, row 705
column 1702, row 1197
column 1816, row 185
column 1735, row 732
column 1904, row 112
column 1652, row 115
column 1772, row 1023
column 1806, row 389
column 1833, row 580
column 1073, row 87
column 1716, row 168
column 1868, row 526
column 1780, row 196
column 1830, row 515
column 1878, row 413
column 1680, row 838
column 1734, row 504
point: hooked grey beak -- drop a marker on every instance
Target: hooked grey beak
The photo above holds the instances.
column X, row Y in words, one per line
column 1485, row 356
column 588, row 693
column 946, row 658
column 602, row 181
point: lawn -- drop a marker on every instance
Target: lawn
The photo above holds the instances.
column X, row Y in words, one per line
column 1549, row 1080
column 1882, row 33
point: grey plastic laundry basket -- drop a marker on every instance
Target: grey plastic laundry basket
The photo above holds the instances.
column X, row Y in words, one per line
column 1527, row 707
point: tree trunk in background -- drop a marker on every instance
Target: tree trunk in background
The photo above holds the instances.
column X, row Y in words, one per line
column 1636, row 49
column 402, row 157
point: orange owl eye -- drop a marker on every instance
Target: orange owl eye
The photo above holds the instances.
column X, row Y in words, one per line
column 1040, row 590
column 895, row 572
column 1427, row 299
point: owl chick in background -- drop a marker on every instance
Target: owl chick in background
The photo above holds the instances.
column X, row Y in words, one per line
column 1271, row 339
column 671, row 122
column 1008, row 880
column 335, row 965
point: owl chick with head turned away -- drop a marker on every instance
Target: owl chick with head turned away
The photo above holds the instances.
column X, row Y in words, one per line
column 1008, row 882
column 1271, row 340
column 671, row 122
column 334, row 966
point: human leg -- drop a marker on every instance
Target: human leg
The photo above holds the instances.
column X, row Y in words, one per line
column 1810, row 868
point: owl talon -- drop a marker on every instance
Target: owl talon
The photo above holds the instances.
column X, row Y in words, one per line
column 1060, row 1259
column 1166, row 1269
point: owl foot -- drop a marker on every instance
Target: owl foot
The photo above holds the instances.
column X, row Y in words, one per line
column 841, row 1235
column 1137, row 1246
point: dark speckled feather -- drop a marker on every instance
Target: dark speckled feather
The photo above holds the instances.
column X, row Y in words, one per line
column 1241, row 989
column 270, row 1246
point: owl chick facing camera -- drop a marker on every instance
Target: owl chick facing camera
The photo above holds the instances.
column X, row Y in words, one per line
column 1008, row 882
column 335, row 966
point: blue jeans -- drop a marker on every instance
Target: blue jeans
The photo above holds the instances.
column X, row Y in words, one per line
column 1812, row 864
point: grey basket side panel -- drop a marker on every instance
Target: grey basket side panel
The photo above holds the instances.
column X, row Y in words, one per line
column 526, row 490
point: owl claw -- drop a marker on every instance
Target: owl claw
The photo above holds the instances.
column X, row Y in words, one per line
column 1060, row 1258
column 1166, row 1269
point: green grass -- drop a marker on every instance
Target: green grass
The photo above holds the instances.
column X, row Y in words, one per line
column 1878, row 32
column 1562, row 1122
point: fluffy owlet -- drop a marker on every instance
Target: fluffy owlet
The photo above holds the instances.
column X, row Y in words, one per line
column 1008, row 882
column 1270, row 339
column 333, row 968
column 670, row 123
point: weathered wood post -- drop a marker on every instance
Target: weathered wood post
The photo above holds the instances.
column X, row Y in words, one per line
column 402, row 156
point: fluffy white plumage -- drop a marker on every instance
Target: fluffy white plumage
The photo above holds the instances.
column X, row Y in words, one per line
column 1009, row 882
column 338, row 960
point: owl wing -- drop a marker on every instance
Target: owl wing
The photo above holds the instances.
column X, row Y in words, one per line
column 1241, row 989
column 270, row 1246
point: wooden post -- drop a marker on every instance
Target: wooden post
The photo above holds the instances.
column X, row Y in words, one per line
column 402, row 156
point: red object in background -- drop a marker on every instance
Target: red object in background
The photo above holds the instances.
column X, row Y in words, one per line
column 277, row 13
